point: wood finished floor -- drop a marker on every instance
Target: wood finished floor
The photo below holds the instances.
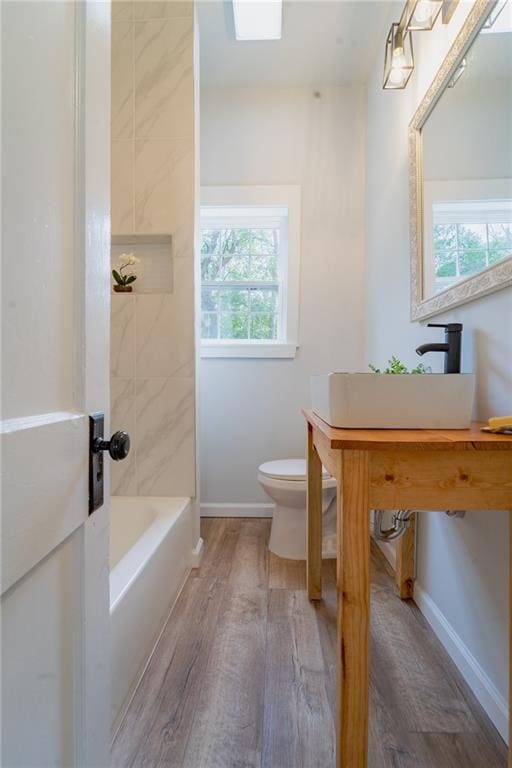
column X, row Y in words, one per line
column 244, row 674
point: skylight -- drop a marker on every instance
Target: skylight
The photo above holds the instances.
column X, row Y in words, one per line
column 258, row 19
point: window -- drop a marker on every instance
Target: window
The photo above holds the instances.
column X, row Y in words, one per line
column 242, row 262
column 249, row 272
column 469, row 236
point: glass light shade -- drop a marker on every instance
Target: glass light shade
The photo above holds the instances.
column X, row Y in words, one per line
column 422, row 14
column 399, row 59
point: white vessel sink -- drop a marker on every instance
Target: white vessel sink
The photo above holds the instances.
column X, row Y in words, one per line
column 394, row 401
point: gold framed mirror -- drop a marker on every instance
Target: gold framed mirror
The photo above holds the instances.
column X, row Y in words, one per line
column 460, row 169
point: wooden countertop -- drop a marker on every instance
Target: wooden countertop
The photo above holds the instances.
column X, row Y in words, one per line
column 422, row 439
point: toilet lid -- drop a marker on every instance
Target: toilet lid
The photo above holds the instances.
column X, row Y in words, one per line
column 287, row 469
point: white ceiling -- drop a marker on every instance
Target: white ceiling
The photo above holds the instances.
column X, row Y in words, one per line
column 333, row 41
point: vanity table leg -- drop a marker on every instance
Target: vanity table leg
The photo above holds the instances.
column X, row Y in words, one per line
column 353, row 611
column 314, row 521
column 404, row 569
column 510, row 637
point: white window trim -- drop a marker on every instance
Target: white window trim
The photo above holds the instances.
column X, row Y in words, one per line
column 289, row 197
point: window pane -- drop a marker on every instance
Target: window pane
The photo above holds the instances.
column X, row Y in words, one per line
column 236, row 241
column 500, row 236
column 497, row 255
column 471, row 236
column 234, row 300
column 445, row 236
column 264, row 267
column 265, row 241
column 211, row 267
column 264, row 300
column 233, row 325
column 209, row 299
column 236, row 267
column 472, row 261
column 210, row 241
column 446, row 265
column 209, row 325
column 263, row 326
column 211, row 259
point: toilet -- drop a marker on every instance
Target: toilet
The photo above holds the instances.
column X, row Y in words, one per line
column 285, row 482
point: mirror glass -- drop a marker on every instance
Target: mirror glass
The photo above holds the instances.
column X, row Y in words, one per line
column 466, row 144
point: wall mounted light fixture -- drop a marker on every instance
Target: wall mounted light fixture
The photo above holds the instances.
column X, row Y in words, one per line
column 399, row 58
column 422, row 14
column 417, row 16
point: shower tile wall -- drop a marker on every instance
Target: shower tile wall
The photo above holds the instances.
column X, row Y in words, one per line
column 152, row 357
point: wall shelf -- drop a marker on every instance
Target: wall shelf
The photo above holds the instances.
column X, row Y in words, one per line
column 155, row 271
column 141, row 239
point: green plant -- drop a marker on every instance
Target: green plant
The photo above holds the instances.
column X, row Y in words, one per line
column 396, row 366
column 123, row 275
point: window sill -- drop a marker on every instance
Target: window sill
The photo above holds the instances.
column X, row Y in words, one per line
column 248, row 349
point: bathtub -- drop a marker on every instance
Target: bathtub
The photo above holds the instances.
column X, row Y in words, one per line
column 150, row 558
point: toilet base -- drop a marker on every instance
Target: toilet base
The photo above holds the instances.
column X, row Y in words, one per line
column 288, row 535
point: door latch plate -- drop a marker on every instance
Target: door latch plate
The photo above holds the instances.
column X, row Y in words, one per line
column 96, row 471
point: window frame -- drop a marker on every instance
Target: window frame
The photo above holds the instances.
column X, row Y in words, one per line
column 263, row 197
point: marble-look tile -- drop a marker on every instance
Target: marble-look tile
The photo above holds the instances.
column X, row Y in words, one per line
column 165, row 437
column 122, row 10
column 122, row 80
column 162, row 9
column 164, row 79
column 122, row 416
column 122, row 187
column 165, row 333
column 164, row 191
column 122, row 335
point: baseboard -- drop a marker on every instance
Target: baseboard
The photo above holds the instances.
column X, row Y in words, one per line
column 197, row 554
column 237, row 510
column 484, row 689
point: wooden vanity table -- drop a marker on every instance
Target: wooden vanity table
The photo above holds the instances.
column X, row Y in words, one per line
column 388, row 469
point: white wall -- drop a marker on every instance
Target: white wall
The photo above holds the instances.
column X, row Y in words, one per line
column 250, row 410
column 462, row 565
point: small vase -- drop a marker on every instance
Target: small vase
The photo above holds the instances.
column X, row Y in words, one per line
column 123, row 288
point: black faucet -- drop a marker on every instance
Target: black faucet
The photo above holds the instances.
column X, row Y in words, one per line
column 451, row 346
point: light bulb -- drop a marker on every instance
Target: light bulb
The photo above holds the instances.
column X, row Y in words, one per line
column 398, row 65
column 396, row 76
column 424, row 11
column 398, row 59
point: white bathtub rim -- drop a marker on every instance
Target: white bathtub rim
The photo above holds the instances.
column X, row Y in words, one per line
column 127, row 570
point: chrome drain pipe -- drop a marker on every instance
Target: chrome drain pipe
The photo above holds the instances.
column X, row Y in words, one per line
column 399, row 524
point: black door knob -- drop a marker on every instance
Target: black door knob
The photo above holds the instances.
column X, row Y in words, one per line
column 118, row 446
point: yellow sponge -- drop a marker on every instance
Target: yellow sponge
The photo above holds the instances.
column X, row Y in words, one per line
column 499, row 422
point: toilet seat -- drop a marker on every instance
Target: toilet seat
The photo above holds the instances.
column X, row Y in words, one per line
column 291, row 470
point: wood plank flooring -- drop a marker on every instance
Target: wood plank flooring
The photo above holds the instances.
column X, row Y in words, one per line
column 244, row 673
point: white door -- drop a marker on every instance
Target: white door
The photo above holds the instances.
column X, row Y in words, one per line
column 55, row 321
